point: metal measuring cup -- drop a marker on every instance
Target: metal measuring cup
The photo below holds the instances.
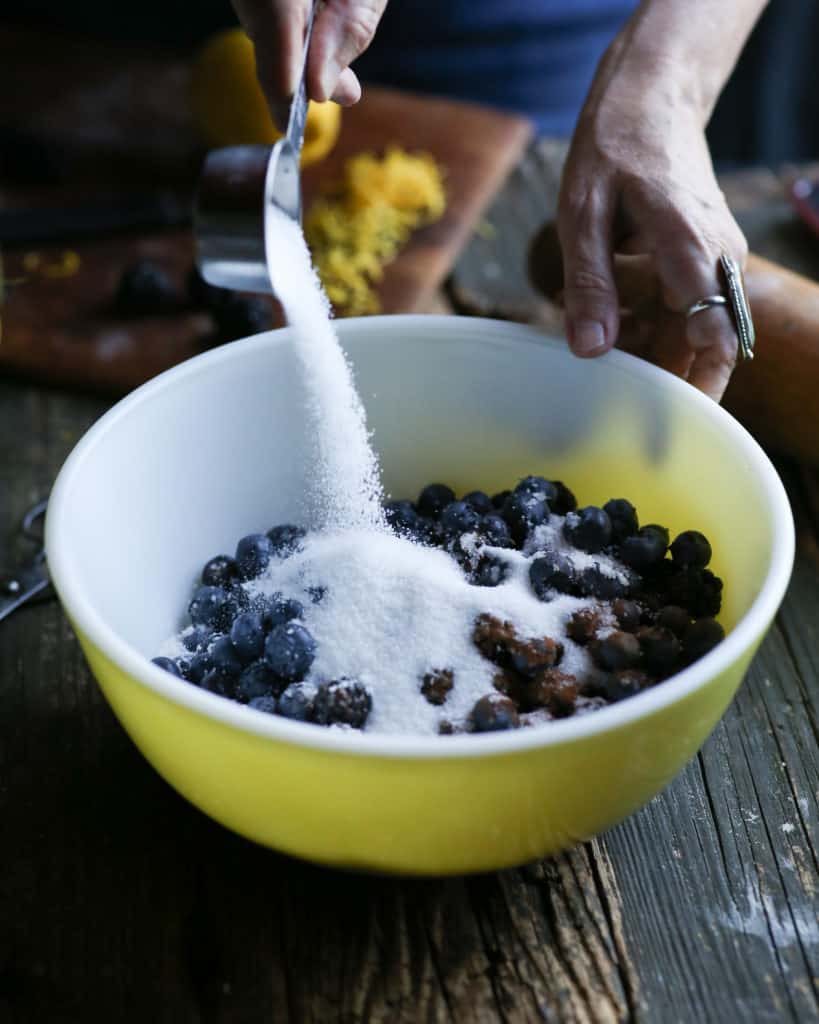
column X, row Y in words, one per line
column 237, row 188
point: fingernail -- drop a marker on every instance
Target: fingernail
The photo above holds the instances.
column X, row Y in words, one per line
column 588, row 338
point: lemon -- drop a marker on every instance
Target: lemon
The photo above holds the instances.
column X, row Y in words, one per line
column 229, row 105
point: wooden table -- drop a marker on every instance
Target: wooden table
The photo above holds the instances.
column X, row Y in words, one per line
column 120, row 902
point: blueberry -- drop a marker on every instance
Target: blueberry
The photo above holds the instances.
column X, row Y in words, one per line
column 169, row 665
column 619, row 685
column 459, row 518
column 699, row 591
column 564, row 501
column 316, row 596
column 433, row 499
column 253, row 554
column 701, row 637
column 583, row 625
column 342, row 702
column 494, row 713
column 258, row 680
column 499, row 499
column 220, row 571
column 401, row 516
column 278, row 610
column 210, row 607
column 628, row 614
column 495, row 531
column 480, row 501
column 691, row 550
column 616, row 651
column 247, row 636
column 196, row 638
column 199, row 666
column 428, row 532
column 145, row 289
column 661, row 649
column 552, row 572
column 538, row 487
column 286, row 539
column 644, row 551
column 674, row 618
column 523, row 512
column 296, row 703
column 202, row 294
column 289, row 650
column 588, row 529
column 224, row 657
column 529, row 657
column 217, row 682
column 593, row 582
column 489, row 572
column 238, row 316
column 623, row 517
column 264, row 703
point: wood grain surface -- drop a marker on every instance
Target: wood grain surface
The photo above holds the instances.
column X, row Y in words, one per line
column 121, row 902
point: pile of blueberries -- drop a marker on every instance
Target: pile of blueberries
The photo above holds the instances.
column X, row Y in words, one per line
column 146, row 289
column 662, row 604
column 259, row 652
column 509, row 518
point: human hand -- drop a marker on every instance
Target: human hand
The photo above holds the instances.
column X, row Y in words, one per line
column 639, row 180
column 342, row 30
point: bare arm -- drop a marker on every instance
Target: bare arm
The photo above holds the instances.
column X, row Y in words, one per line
column 639, row 179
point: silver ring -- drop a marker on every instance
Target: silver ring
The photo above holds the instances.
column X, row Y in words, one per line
column 737, row 302
column 740, row 309
column 707, row 303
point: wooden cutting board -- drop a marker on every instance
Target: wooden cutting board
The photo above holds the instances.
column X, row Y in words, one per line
column 65, row 331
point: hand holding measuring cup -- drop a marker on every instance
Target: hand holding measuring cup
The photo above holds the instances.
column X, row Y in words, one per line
column 342, row 31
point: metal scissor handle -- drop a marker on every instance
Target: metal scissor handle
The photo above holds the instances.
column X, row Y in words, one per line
column 30, row 580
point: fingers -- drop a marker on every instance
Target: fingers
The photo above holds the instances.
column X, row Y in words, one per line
column 342, row 31
column 348, row 89
column 277, row 32
column 689, row 271
column 590, row 296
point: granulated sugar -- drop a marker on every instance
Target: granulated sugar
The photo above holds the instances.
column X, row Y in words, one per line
column 344, row 491
column 381, row 609
column 549, row 537
column 392, row 611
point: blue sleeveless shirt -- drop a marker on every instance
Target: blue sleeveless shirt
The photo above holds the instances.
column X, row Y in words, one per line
column 535, row 57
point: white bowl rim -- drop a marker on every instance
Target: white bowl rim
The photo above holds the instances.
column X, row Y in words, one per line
column 353, row 742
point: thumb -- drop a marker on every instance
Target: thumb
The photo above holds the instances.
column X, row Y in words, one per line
column 584, row 226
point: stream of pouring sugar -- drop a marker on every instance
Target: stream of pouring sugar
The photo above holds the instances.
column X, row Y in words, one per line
column 343, row 488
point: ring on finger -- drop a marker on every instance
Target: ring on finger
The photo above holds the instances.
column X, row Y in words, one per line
column 737, row 303
column 707, row 303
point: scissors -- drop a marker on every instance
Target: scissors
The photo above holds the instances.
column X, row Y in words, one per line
column 30, row 580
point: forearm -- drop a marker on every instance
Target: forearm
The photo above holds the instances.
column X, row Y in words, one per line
column 686, row 48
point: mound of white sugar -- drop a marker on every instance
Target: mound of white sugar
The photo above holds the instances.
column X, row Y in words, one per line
column 383, row 610
column 391, row 611
column 344, row 490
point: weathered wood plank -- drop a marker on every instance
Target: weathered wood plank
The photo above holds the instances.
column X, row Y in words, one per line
column 120, row 901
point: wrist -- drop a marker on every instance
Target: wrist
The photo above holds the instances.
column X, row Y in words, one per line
column 685, row 50
column 640, row 74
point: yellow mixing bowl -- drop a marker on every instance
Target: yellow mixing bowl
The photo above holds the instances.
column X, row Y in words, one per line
column 215, row 449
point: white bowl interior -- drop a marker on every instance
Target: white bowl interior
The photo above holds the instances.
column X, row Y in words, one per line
column 215, row 449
